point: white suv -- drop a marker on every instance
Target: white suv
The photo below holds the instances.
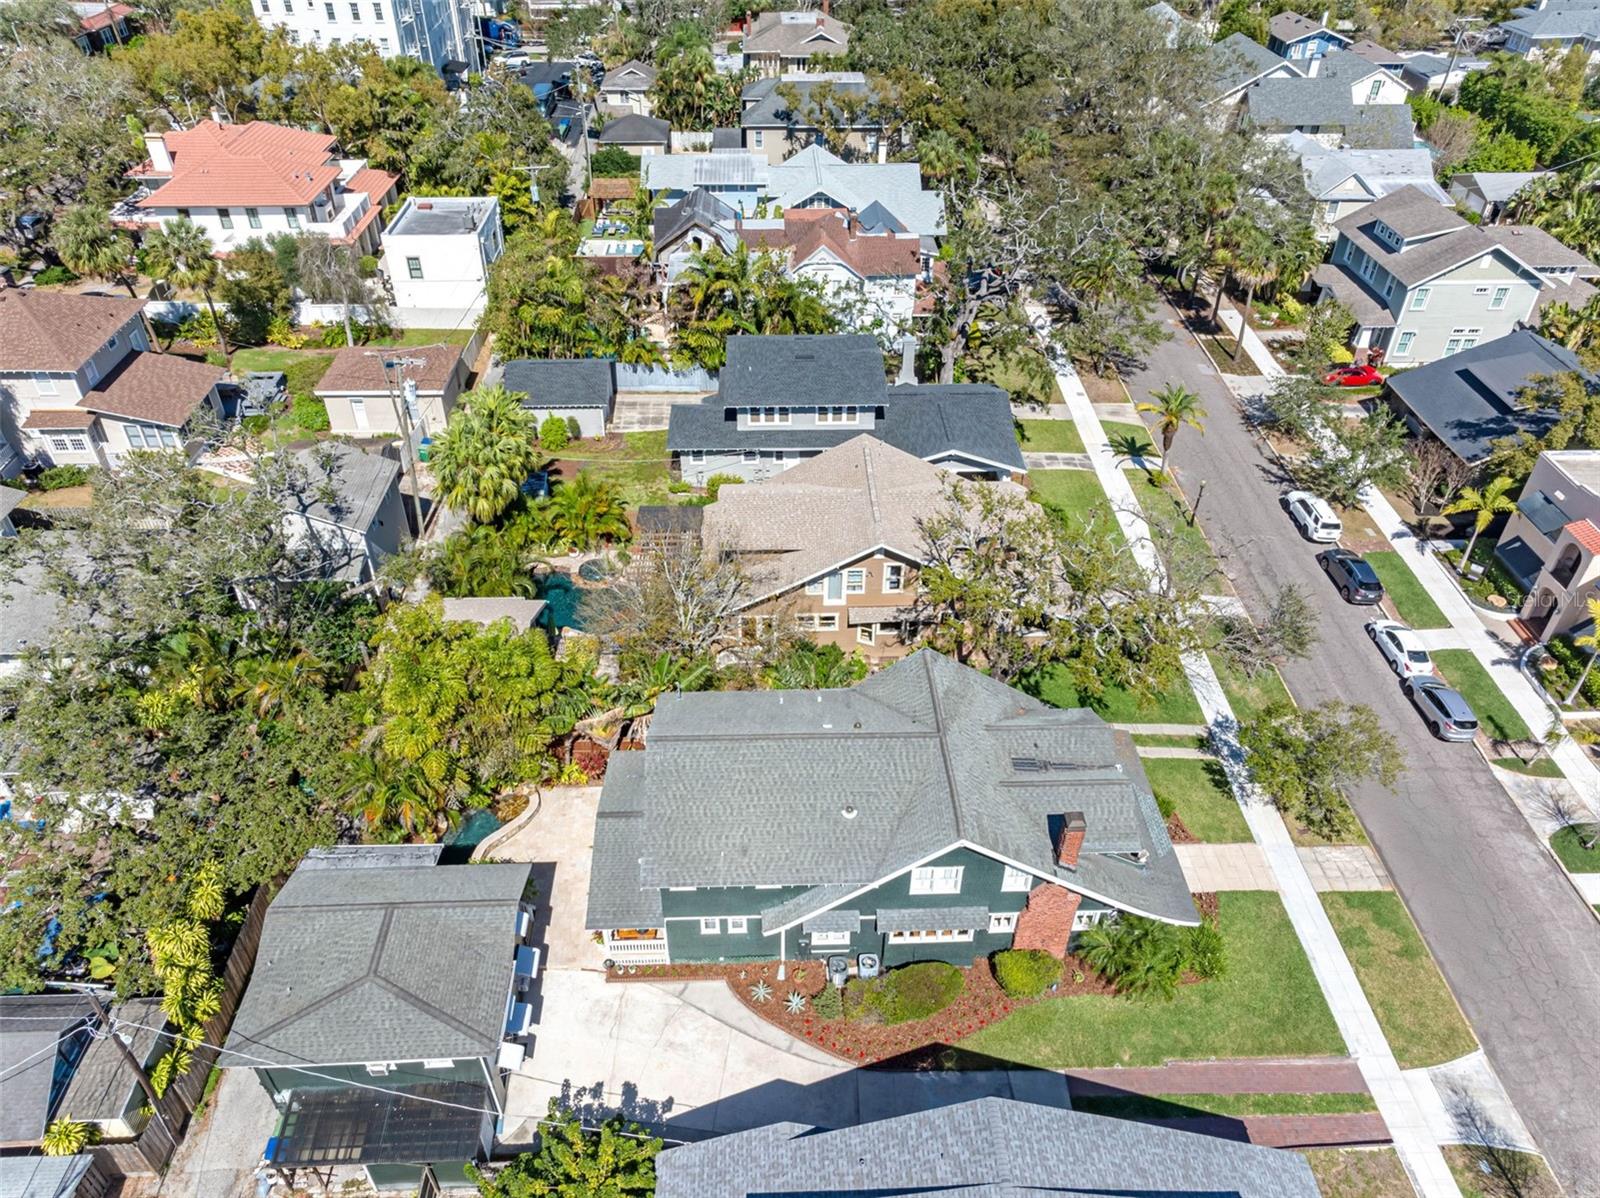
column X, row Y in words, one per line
column 1313, row 517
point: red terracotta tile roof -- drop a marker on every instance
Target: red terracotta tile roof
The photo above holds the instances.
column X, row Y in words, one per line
column 103, row 18
column 373, row 212
column 58, row 418
column 57, row 331
column 377, row 184
column 354, row 372
column 160, row 388
column 256, row 163
column 1586, row 534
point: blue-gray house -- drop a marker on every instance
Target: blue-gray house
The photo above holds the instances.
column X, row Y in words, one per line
column 1299, row 39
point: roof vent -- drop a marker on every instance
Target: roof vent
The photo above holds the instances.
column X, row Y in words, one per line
column 849, row 811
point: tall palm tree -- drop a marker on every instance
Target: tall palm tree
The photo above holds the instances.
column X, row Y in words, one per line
column 1493, row 500
column 183, row 256
column 1174, row 406
column 87, row 241
column 485, row 454
column 1589, row 641
column 638, row 213
column 1255, row 265
column 715, row 281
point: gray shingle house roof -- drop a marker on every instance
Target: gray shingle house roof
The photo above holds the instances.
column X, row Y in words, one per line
column 766, row 106
column 1325, row 102
column 381, row 963
column 563, row 383
column 43, row 1176
column 632, row 75
column 926, row 420
column 1238, row 59
column 37, row 1032
column 841, row 789
column 1469, row 399
column 636, row 130
column 987, row 1148
column 699, row 209
column 1435, row 238
column 1291, row 27
column 1497, row 187
column 344, row 485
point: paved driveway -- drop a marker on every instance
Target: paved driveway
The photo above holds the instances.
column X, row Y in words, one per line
column 1515, row 942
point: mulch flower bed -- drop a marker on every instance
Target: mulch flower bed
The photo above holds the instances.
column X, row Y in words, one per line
column 864, row 1041
column 1178, row 832
column 1206, row 903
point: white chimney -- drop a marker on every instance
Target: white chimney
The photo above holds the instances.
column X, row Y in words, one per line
column 155, row 145
column 908, row 361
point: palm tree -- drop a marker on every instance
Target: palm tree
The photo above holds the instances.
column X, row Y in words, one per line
column 1174, row 406
column 940, row 156
column 182, row 255
column 587, row 511
column 485, row 454
column 89, row 244
column 1589, row 641
column 638, row 213
column 1494, row 500
column 715, row 281
column 1255, row 265
column 394, row 798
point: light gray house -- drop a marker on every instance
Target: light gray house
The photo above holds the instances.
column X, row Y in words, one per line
column 1349, row 102
column 627, row 88
column 986, row 1148
column 927, row 813
column 1546, row 29
column 347, row 512
column 1343, row 182
column 641, row 135
column 1439, row 74
column 1423, row 283
column 1237, row 64
column 576, row 389
column 1488, row 192
column 784, row 399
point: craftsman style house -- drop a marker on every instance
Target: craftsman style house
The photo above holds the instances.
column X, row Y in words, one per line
column 79, row 385
column 785, row 399
column 781, row 116
column 929, row 812
column 783, row 43
column 1424, row 284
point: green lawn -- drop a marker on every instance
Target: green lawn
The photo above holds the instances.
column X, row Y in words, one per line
column 1168, row 514
column 1188, row 1106
column 1049, row 436
column 1128, row 439
column 1249, row 697
column 638, row 464
column 635, row 447
column 304, row 367
column 1054, row 686
column 1077, row 496
column 1268, row 1004
column 1409, row 996
column 1198, row 792
column 405, row 337
column 1359, row 1173
column 1466, row 674
column 1569, row 848
column 1411, row 600
column 1543, row 768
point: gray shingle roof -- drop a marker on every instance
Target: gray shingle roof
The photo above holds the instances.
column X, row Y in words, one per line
column 42, row 1176
column 1291, row 27
column 1378, row 171
column 632, row 75
column 771, row 110
column 403, row 963
column 837, row 920
column 1411, row 213
column 932, row 919
column 1497, row 186
column 103, row 1083
column 1238, row 59
column 38, row 1029
column 10, row 497
column 29, row 608
column 794, row 33
column 987, row 1148
column 359, row 483
column 615, row 897
column 1539, row 249
column 1558, row 24
column 698, row 209
column 897, row 186
column 558, row 383
column 752, row 789
column 634, row 130
column 1469, row 399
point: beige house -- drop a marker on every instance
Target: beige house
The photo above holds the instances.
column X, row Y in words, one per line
column 1551, row 544
column 835, row 544
column 782, row 115
column 363, row 389
column 784, row 43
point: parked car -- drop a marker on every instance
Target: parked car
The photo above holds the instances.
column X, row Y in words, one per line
column 1401, row 648
column 1353, row 376
column 1447, row 714
column 1313, row 517
column 1357, row 581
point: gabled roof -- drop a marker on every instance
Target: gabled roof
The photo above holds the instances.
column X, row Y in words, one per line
column 343, row 485
column 1445, row 242
column 1497, row 186
column 897, row 186
column 1377, row 172
column 160, row 389
column 792, row 34
column 254, row 163
column 1325, row 101
column 40, row 1030
column 1238, row 60
column 846, row 502
column 1291, row 27
column 357, row 371
column 1557, row 24
column 809, row 234
column 985, row 1148
column 380, row 963
column 632, row 75
column 55, row 331
column 634, row 129
column 1540, row 249
column 766, row 107
column 562, row 383
column 1370, row 50
column 697, row 210
column 43, row 1176
column 845, row 788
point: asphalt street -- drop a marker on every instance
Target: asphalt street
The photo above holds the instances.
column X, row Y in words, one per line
column 1515, row 941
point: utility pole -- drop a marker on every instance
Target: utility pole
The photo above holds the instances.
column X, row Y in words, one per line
column 104, row 1018
column 1462, row 30
column 402, row 417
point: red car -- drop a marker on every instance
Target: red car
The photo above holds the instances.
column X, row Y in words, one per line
column 1354, row 376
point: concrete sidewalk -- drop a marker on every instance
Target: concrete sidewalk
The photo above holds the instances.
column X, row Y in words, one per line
column 1209, row 867
column 1413, row 1137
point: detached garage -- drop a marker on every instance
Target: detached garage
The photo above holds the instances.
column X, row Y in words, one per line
column 581, row 389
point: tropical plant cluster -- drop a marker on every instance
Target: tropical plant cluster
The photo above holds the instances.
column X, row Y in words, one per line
column 1147, row 959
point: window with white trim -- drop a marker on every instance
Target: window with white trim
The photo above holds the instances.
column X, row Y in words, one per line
column 1086, row 919
column 814, row 587
column 114, row 342
column 225, row 217
column 1372, row 92
column 697, row 455
column 769, row 416
column 759, row 138
column 867, row 634
column 91, row 372
column 1002, row 921
column 150, row 436
column 738, row 925
column 937, row 879
column 71, row 443
column 710, row 926
column 1419, row 298
column 1016, row 879
column 838, row 415
column 292, row 215
column 1498, row 300
column 44, row 384
column 946, row 936
column 855, row 582
column 1402, row 347
column 894, row 578
column 252, row 217
column 414, row 267
column 830, row 939
column 817, row 622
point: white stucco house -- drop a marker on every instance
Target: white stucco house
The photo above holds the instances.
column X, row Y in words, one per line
column 437, row 252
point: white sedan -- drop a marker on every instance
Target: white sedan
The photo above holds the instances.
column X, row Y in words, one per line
column 1401, row 648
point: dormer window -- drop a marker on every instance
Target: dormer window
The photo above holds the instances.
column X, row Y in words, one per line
column 1388, row 236
column 769, row 415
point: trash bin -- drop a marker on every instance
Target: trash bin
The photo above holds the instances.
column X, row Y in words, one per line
column 423, row 447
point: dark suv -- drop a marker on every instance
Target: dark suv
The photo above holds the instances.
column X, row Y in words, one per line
column 1449, row 716
column 1357, row 581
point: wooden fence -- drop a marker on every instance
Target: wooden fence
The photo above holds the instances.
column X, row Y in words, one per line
column 149, row 1153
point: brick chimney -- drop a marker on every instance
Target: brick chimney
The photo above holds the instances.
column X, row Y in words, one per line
column 1070, row 843
column 826, row 6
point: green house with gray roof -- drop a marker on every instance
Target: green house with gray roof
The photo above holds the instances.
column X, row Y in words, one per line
column 927, row 813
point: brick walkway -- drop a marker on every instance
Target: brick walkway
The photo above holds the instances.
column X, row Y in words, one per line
column 1308, row 1075
column 1288, row 1131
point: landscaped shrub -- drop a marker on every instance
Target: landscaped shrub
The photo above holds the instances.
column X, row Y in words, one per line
column 1206, row 951
column 716, row 482
column 916, row 991
column 1026, row 972
column 829, row 1003
column 553, row 435
column 52, row 275
column 1291, row 309
column 57, row 477
column 1143, row 958
column 309, row 413
column 281, row 331
column 574, row 429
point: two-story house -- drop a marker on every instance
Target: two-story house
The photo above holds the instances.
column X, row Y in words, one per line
column 927, row 813
column 781, row 400
column 239, row 182
column 1300, row 39
column 1551, row 543
column 627, row 88
column 1423, row 283
column 834, row 546
column 442, row 33
column 782, row 115
column 384, row 991
column 1342, row 182
column 437, row 253
column 1348, row 102
column 80, row 387
column 1236, row 64
column 792, row 43
column 1547, row 29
